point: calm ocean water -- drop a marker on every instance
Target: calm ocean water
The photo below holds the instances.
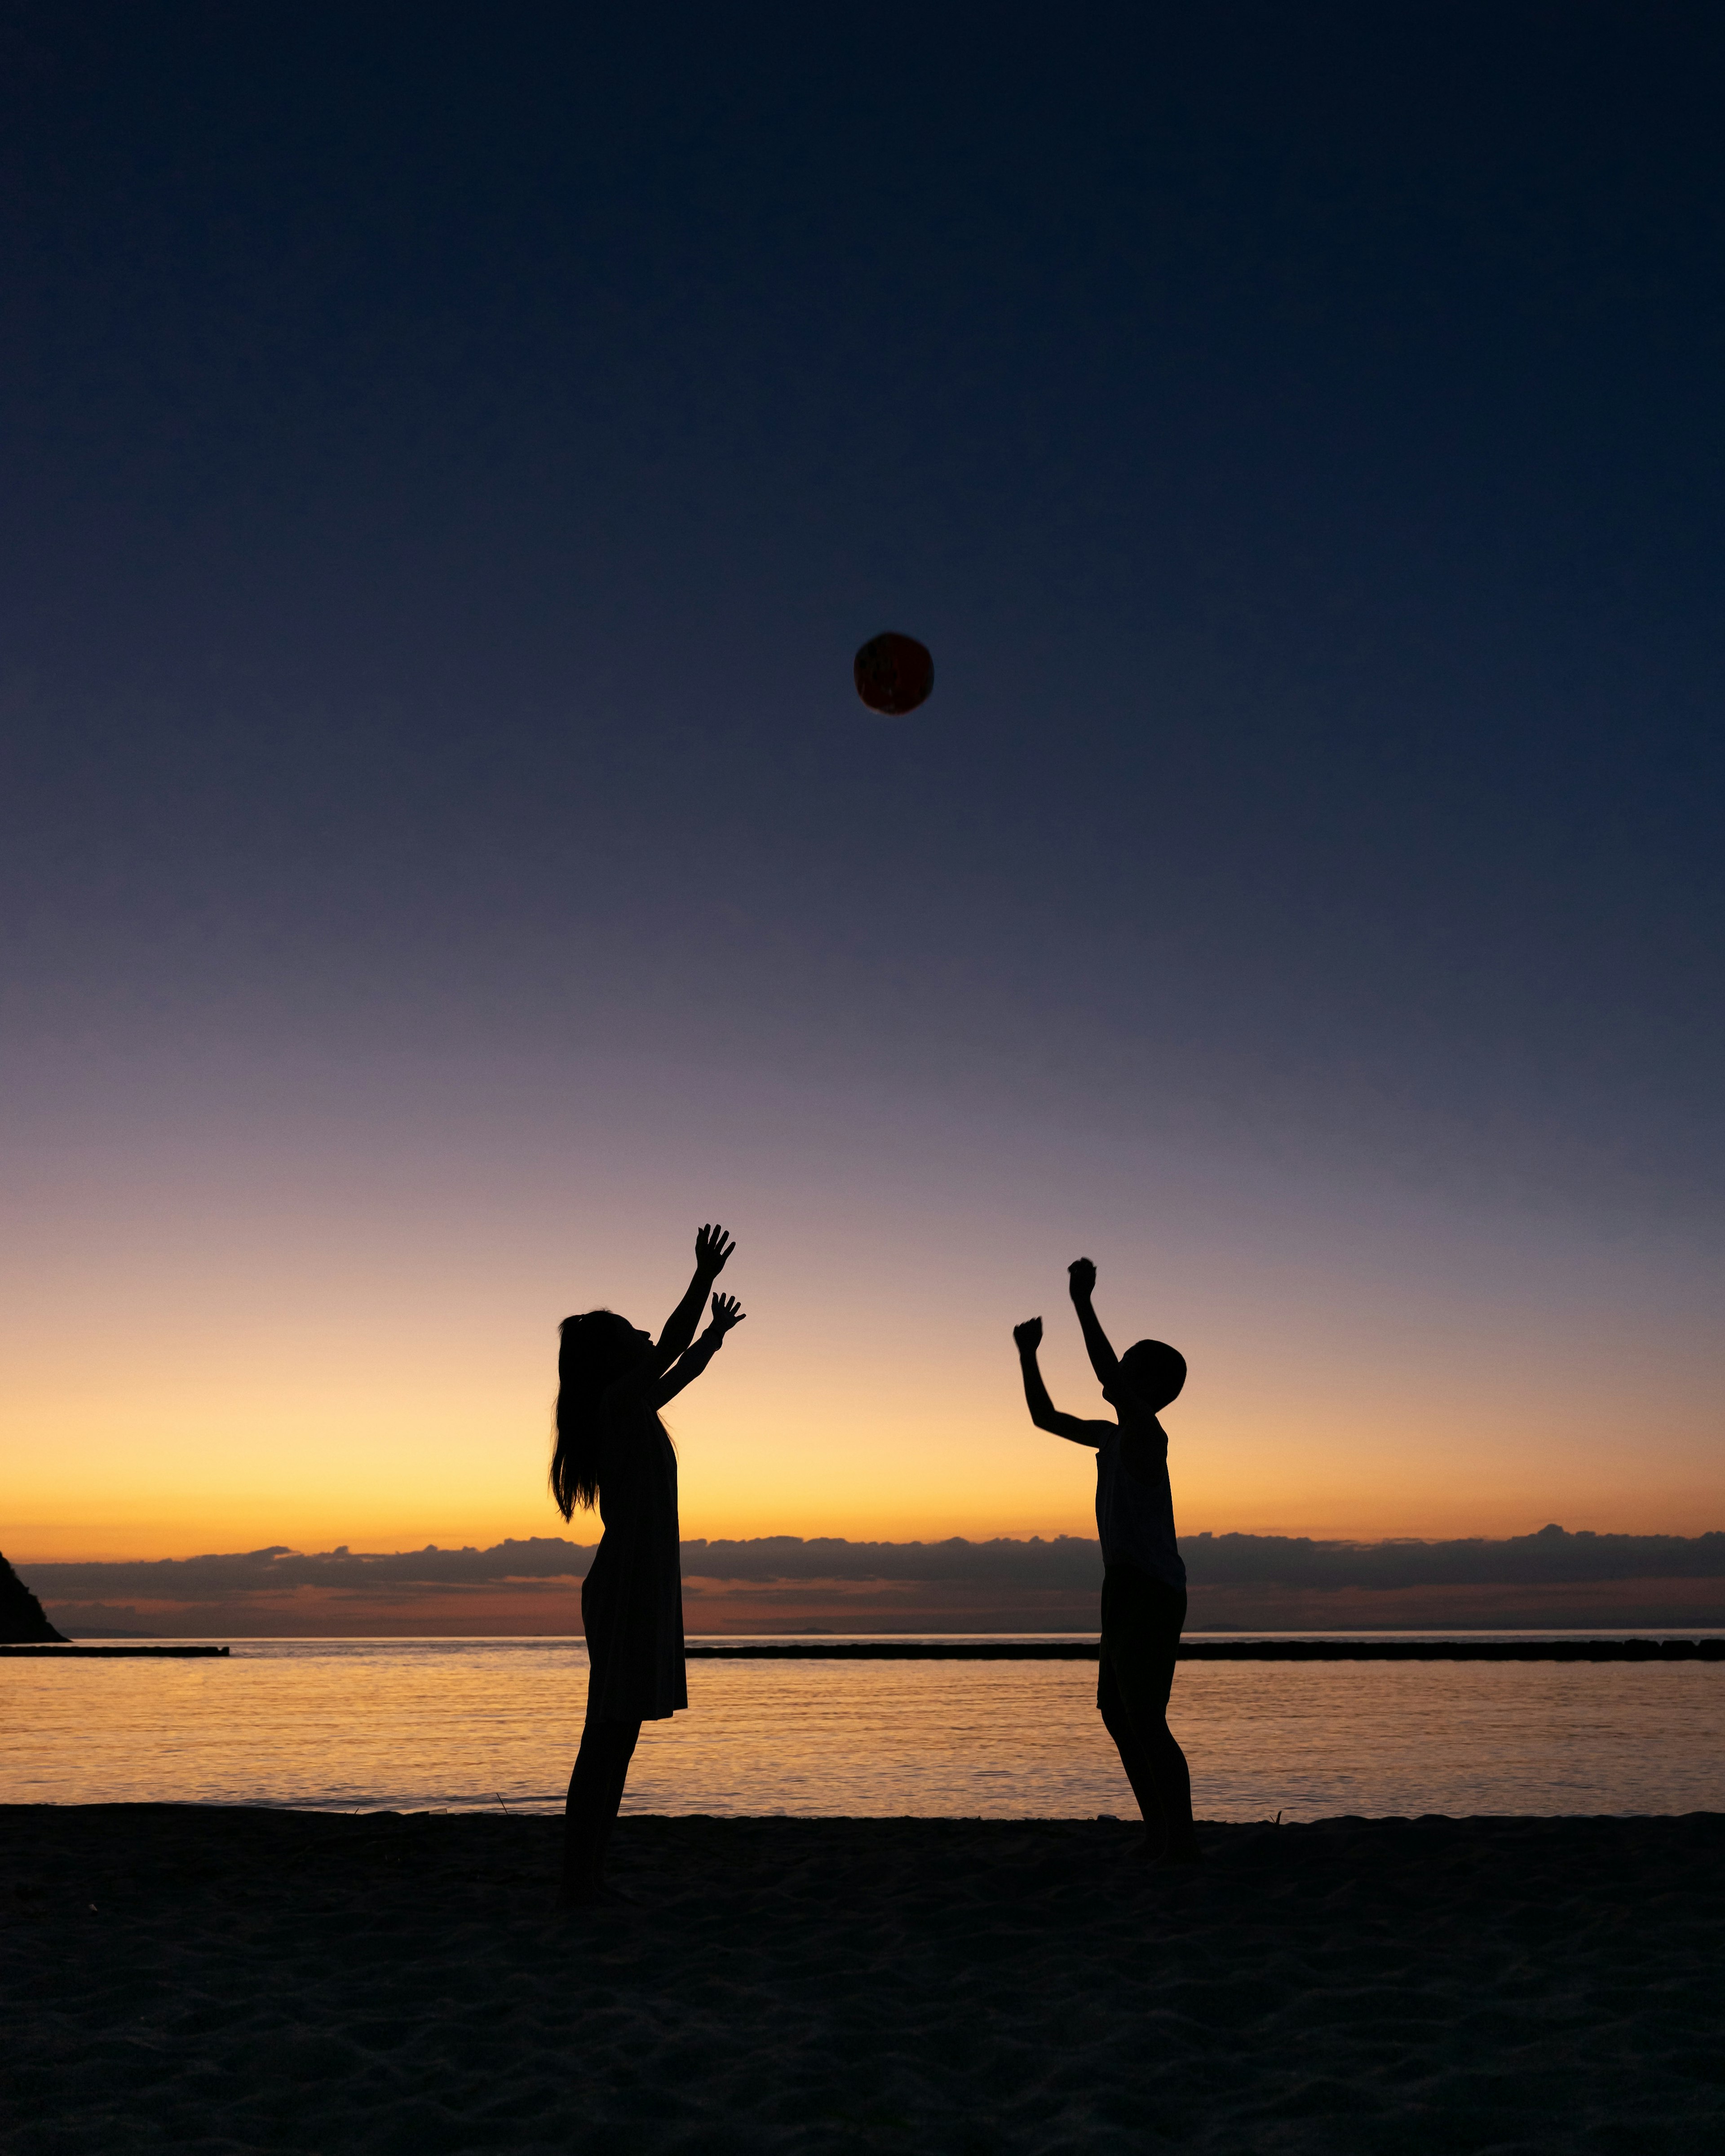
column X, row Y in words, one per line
column 474, row 1724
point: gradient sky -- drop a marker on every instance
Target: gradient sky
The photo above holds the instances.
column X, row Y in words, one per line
column 450, row 458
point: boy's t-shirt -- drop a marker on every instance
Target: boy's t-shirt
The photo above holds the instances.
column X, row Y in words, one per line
column 1135, row 1515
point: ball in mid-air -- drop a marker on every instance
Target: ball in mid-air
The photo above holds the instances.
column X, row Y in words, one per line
column 894, row 673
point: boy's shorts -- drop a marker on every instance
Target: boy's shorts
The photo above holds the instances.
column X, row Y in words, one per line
column 1142, row 1622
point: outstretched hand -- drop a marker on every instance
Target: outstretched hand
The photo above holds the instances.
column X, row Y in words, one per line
column 1027, row 1337
column 725, row 1314
column 1081, row 1278
column 712, row 1247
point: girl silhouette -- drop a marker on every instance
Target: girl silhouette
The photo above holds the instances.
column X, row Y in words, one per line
column 613, row 1449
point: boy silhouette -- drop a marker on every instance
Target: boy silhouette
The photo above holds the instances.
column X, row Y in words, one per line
column 1143, row 1578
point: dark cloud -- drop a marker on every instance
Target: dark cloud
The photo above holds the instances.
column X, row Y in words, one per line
column 1551, row 1556
column 278, row 1568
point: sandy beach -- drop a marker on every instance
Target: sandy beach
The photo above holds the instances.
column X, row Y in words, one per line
column 244, row 1980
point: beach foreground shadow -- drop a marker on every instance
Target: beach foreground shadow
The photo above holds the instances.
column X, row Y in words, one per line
column 175, row 1976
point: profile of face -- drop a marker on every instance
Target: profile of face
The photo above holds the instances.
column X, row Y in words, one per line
column 616, row 1332
column 599, row 1346
column 627, row 1343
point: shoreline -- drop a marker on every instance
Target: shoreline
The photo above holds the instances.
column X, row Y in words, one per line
column 1334, row 1648
column 264, row 1979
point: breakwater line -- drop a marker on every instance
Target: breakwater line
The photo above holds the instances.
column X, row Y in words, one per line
column 1220, row 1650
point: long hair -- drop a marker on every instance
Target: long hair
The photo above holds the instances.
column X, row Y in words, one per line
column 593, row 1351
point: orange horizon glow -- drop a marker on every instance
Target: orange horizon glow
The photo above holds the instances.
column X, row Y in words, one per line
column 458, row 1467
column 209, row 1347
column 380, row 1459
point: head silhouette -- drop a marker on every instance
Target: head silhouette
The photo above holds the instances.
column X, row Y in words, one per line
column 1151, row 1374
column 593, row 1351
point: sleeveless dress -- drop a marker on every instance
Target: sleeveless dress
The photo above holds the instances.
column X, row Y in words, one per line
column 632, row 1597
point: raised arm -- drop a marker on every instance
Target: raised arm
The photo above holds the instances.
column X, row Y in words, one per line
column 712, row 1249
column 1081, row 1278
column 1028, row 1338
column 688, row 1367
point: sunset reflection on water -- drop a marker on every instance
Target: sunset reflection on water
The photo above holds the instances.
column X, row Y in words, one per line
column 477, row 1724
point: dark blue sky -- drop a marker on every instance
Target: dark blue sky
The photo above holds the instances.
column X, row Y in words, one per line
column 452, row 455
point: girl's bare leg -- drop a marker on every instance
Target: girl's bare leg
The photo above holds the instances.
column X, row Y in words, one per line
column 595, row 1792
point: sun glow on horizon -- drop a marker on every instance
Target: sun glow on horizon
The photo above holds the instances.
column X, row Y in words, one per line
column 311, row 1343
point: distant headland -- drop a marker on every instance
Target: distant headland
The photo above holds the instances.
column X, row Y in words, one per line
column 23, row 1621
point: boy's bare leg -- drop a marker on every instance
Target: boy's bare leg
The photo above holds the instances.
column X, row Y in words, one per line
column 1135, row 1760
column 1155, row 1765
column 1174, row 1787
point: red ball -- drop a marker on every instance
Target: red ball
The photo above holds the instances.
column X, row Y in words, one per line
column 894, row 673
